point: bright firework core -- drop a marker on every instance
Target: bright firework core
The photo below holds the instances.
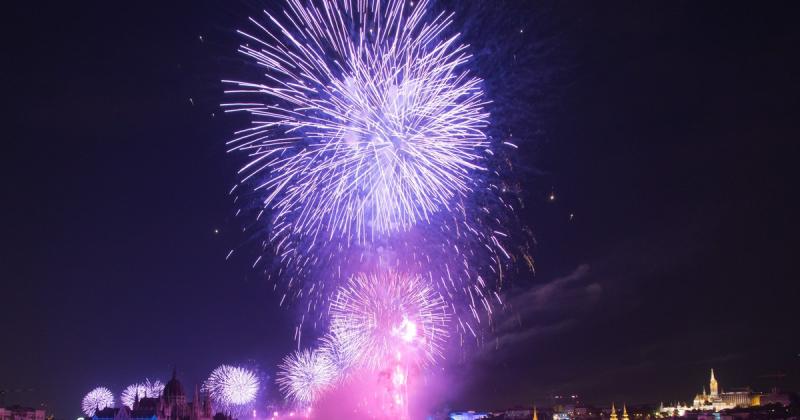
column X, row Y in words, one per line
column 387, row 316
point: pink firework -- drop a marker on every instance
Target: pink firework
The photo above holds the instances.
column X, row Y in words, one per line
column 386, row 316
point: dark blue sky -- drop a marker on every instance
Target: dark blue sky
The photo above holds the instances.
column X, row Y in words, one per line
column 667, row 129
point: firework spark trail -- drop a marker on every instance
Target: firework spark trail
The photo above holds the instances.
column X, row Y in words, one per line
column 367, row 136
column 141, row 390
column 332, row 347
column 378, row 315
column 305, row 375
column 358, row 135
column 231, row 387
column 97, row 399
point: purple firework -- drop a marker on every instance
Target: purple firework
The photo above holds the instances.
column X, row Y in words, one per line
column 366, row 122
column 366, row 146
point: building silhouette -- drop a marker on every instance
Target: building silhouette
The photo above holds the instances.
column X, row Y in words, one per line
column 171, row 405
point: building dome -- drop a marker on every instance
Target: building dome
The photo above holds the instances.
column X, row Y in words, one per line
column 173, row 389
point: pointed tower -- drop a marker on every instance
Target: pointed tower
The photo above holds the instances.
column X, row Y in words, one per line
column 624, row 412
column 196, row 409
column 613, row 412
column 535, row 416
column 713, row 385
column 207, row 406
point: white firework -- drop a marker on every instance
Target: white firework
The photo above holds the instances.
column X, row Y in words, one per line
column 146, row 389
column 97, row 399
column 305, row 375
column 366, row 122
column 232, row 387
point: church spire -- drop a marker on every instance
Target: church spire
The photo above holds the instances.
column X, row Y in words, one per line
column 613, row 412
column 535, row 416
column 713, row 385
column 624, row 412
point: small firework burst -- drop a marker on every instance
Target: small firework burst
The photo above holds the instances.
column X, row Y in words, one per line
column 305, row 375
column 232, row 388
column 97, row 399
column 146, row 389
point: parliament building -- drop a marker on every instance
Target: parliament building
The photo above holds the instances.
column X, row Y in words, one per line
column 171, row 405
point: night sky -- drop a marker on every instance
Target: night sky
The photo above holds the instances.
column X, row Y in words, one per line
column 666, row 129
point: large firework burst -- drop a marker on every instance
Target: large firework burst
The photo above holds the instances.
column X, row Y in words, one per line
column 232, row 387
column 305, row 375
column 97, row 399
column 366, row 122
column 367, row 148
column 378, row 315
column 146, row 389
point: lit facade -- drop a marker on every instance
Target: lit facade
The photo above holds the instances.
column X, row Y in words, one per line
column 714, row 400
column 21, row 413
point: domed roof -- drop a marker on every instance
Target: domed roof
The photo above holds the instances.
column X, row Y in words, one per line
column 173, row 388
